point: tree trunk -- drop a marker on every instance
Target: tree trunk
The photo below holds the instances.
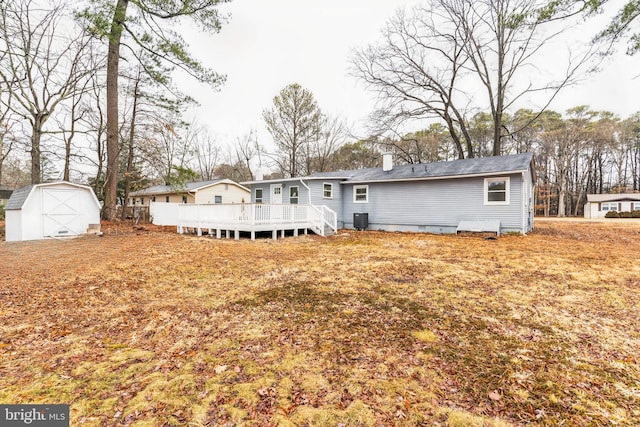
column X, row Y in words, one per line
column 132, row 127
column 36, row 154
column 113, row 148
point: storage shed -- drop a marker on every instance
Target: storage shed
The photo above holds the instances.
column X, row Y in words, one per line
column 55, row 209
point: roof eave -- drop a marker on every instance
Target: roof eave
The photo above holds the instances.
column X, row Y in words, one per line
column 435, row 178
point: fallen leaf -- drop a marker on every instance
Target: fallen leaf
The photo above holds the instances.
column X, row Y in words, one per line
column 494, row 395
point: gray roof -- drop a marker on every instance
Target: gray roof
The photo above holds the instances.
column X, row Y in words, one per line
column 170, row 189
column 613, row 197
column 477, row 166
column 18, row 197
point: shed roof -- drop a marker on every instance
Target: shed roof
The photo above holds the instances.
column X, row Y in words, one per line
column 188, row 187
column 454, row 168
column 20, row 196
column 619, row 197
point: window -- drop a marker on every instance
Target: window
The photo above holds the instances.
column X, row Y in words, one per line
column 184, row 199
column 258, row 197
column 218, row 199
column 166, row 199
column 496, row 191
column 142, row 201
column 293, row 195
column 360, row 194
column 153, row 198
column 609, row 206
column 636, row 206
column 327, row 191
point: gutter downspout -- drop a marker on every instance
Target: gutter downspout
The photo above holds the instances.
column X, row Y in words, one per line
column 308, row 189
column 525, row 212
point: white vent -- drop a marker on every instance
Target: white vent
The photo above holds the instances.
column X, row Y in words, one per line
column 387, row 162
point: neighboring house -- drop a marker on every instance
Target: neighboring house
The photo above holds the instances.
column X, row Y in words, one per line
column 55, row 209
column 203, row 192
column 5, row 194
column 434, row 197
column 598, row 205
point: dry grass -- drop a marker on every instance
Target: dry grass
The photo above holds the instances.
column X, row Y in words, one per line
column 147, row 328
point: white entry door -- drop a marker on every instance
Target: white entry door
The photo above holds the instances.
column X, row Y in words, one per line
column 276, row 194
column 62, row 212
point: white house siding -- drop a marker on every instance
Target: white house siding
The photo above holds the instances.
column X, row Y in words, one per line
column 593, row 209
column 433, row 206
column 230, row 193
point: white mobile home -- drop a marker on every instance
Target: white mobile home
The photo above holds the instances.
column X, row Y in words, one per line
column 56, row 209
column 598, row 205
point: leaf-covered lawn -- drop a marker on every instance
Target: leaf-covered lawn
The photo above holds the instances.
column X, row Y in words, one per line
column 149, row 328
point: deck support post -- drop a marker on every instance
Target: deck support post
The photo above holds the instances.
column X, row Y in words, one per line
column 274, row 234
column 282, row 233
column 236, row 235
column 295, row 232
column 226, row 234
column 199, row 232
column 306, row 231
column 253, row 235
column 218, row 233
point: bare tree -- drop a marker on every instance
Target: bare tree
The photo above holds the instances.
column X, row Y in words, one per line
column 332, row 135
column 293, row 122
column 247, row 149
column 43, row 65
column 207, row 153
column 415, row 71
column 429, row 59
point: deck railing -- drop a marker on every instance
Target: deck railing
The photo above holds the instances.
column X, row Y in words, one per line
column 249, row 216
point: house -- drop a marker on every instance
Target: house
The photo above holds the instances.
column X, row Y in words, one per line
column 203, row 192
column 598, row 205
column 445, row 197
column 55, row 209
column 5, row 194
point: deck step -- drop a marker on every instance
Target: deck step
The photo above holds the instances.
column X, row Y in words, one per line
column 479, row 226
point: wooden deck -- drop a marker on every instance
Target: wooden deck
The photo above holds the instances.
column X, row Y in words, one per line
column 253, row 218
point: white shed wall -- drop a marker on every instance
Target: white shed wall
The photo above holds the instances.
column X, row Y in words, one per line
column 60, row 219
column 13, row 229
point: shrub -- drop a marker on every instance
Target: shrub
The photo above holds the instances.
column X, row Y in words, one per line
column 635, row 214
column 626, row 214
column 612, row 214
column 1, row 212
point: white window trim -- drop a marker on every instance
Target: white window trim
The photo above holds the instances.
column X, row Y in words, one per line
column 297, row 198
column 355, row 187
column 255, row 196
column 635, row 206
column 507, row 181
column 330, row 186
column 608, row 206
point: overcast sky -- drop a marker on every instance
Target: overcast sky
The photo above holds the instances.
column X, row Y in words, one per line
column 269, row 44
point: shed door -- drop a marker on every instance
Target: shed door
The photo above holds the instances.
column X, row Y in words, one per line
column 62, row 212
